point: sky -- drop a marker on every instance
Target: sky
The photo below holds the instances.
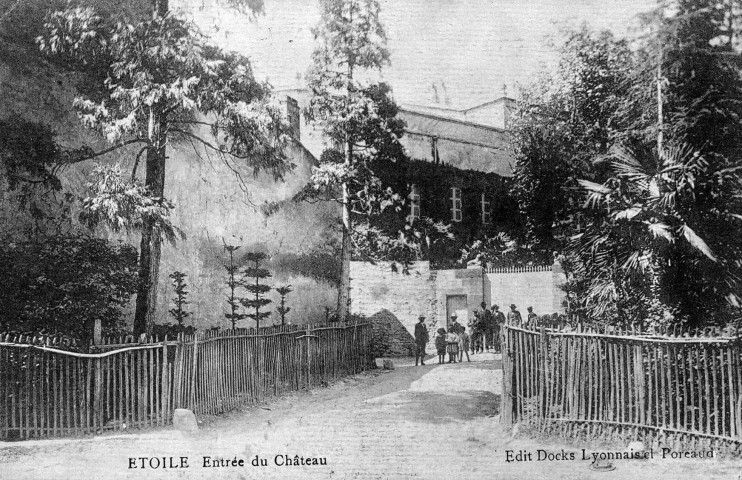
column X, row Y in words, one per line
column 466, row 51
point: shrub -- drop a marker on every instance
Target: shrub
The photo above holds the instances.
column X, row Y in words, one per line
column 62, row 284
column 180, row 300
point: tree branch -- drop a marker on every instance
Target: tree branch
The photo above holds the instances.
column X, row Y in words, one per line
column 136, row 163
column 223, row 155
column 93, row 155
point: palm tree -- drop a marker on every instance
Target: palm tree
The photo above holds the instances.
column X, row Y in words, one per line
column 663, row 243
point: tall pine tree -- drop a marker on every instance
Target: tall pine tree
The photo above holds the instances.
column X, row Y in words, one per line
column 350, row 53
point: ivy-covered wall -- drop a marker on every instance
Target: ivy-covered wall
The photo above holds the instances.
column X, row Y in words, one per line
column 434, row 182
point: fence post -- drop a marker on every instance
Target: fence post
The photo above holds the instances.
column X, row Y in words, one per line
column 543, row 412
column 309, row 357
column 98, row 411
column 506, row 413
column 164, row 387
column 192, row 404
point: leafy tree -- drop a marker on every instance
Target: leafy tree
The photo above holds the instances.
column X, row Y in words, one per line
column 282, row 309
column 30, row 158
column 662, row 243
column 64, row 283
column 562, row 122
column 233, row 283
column 700, row 69
column 257, row 289
column 355, row 114
column 658, row 242
column 160, row 80
column 180, row 299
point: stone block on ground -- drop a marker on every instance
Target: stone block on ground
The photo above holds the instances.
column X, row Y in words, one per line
column 185, row 421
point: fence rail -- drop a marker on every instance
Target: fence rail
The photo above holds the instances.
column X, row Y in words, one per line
column 681, row 388
column 521, row 269
column 45, row 391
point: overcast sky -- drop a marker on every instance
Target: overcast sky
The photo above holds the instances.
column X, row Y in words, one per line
column 470, row 47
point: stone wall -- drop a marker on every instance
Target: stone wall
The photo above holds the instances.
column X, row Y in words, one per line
column 404, row 297
column 537, row 288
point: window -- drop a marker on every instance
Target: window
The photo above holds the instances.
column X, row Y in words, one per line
column 414, row 203
column 486, row 212
column 456, row 204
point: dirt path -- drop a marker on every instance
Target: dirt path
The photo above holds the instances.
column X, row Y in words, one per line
column 432, row 422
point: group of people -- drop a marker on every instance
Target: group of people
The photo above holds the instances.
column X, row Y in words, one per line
column 455, row 342
column 485, row 334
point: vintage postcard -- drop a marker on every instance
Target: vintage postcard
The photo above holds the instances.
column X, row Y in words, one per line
column 370, row 239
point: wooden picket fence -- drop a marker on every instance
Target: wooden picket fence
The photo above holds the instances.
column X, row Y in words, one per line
column 47, row 392
column 677, row 390
column 519, row 269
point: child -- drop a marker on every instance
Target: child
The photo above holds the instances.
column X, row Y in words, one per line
column 463, row 346
column 452, row 341
column 440, row 345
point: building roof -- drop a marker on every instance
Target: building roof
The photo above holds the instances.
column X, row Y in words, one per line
column 471, row 139
column 459, row 143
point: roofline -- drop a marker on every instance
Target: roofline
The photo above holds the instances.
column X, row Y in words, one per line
column 454, row 120
column 497, row 100
column 417, row 105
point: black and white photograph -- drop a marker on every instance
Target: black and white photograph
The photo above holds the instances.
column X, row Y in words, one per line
column 371, row 239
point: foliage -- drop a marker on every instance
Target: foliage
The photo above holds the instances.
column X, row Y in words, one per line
column 501, row 251
column 172, row 330
column 30, row 158
column 28, row 151
column 233, row 283
column 124, row 204
column 282, row 309
column 561, row 123
column 668, row 234
column 663, row 225
column 62, row 284
column 414, row 241
column 696, row 44
column 180, row 299
column 166, row 63
column 257, row 289
column 634, row 156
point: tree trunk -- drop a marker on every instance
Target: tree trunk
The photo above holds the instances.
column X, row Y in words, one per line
column 344, row 292
column 344, row 289
column 151, row 244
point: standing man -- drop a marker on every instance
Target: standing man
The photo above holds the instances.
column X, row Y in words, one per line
column 421, row 339
column 532, row 317
column 514, row 317
column 476, row 329
column 489, row 326
column 499, row 318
